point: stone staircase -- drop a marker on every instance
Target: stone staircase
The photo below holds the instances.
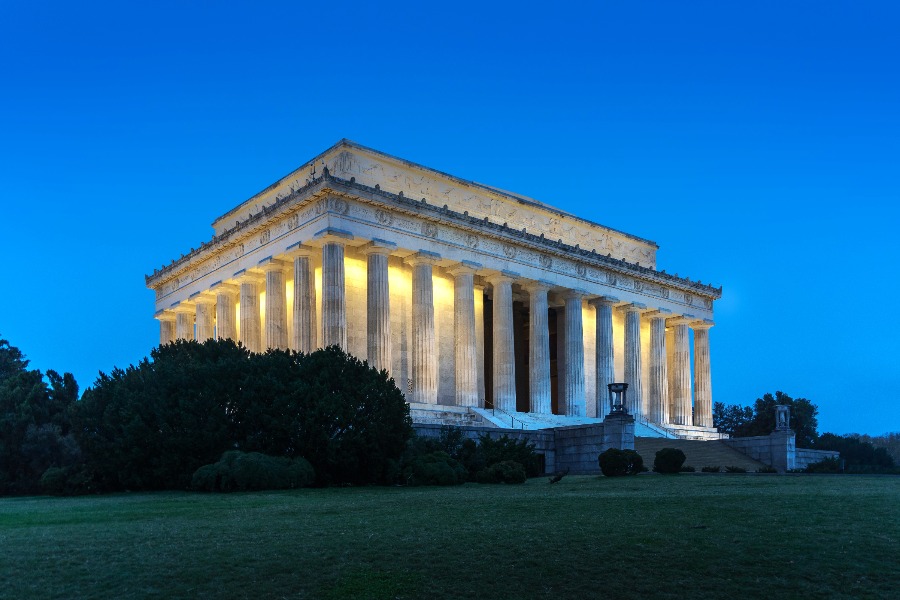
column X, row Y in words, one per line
column 706, row 453
column 453, row 416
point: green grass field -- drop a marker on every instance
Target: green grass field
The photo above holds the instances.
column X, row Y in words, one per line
column 685, row 536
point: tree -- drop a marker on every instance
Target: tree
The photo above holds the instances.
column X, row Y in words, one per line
column 744, row 421
column 858, row 455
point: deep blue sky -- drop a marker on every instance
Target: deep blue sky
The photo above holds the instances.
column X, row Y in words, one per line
column 757, row 143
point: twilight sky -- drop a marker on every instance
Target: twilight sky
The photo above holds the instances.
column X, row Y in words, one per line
column 757, row 143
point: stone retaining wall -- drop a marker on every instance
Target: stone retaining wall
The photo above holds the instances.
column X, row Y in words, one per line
column 805, row 456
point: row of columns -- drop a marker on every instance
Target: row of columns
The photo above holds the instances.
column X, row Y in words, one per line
column 669, row 381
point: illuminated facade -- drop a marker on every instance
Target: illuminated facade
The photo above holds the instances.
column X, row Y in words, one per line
column 469, row 296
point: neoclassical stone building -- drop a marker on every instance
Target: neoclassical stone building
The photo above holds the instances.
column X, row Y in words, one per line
column 469, row 296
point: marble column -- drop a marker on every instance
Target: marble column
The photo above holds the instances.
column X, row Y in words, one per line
column 334, row 302
column 681, row 372
column 539, row 349
column 225, row 311
column 303, row 333
column 605, row 363
column 465, row 347
column 250, row 320
column 166, row 327
column 479, row 342
column 702, row 376
column 573, row 398
column 424, row 355
column 206, row 317
column 378, row 304
column 184, row 321
column 658, row 394
column 633, row 373
column 504, row 359
column 276, row 333
column 560, row 358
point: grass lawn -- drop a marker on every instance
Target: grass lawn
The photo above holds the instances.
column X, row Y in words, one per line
column 684, row 536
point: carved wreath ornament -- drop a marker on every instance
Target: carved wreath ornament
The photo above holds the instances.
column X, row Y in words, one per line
column 509, row 250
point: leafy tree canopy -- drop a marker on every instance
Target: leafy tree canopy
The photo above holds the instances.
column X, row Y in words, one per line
column 744, row 421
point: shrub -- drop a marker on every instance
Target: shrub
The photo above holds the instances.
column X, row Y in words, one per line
column 767, row 469
column 668, row 460
column 615, row 462
column 434, row 468
column 711, row 469
column 244, row 471
column 735, row 470
column 506, row 471
column 491, row 451
column 688, row 469
column 827, row 465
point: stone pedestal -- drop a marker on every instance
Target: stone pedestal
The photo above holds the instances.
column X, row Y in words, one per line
column 539, row 350
column 618, row 432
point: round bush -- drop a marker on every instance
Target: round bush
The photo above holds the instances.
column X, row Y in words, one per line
column 668, row 460
column 615, row 462
column 244, row 471
column 435, row 468
column 507, row 471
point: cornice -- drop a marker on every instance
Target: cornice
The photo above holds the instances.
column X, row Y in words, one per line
column 327, row 184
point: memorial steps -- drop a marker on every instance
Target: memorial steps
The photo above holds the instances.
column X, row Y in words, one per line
column 711, row 453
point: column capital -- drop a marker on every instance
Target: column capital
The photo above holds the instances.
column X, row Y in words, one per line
column 703, row 324
column 573, row 294
column 633, row 307
column 378, row 246
column 502, row 277
column 185, row 307
column 298, row 250
column 422, row 257
column 680, row 320
column 271, row 264
column 658, row 313
column 331, row 235
column 603, row 301
column 220, row 287
column 541, row 285
column 466, row 267
column 204, row 297
column 164, row 315
column 248, row 276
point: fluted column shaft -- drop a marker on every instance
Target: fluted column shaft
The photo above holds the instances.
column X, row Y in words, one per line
column 250, row 325
column 166, row 329
column 573, row 398
column 424, row 358
column 702, row 377
column 633, row 373
column 334, row 302
column 681, row 376
column 303, row 336
column 206, row 323
column 225, row 325
column 184, row 324
column 378, row 310
column 659, row 373
column 276, row 306
column 539, row 351
column 504, row 348
column 465, row 350
column 605, row 357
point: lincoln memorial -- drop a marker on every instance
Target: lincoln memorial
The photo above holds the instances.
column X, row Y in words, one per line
column 474, row 299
